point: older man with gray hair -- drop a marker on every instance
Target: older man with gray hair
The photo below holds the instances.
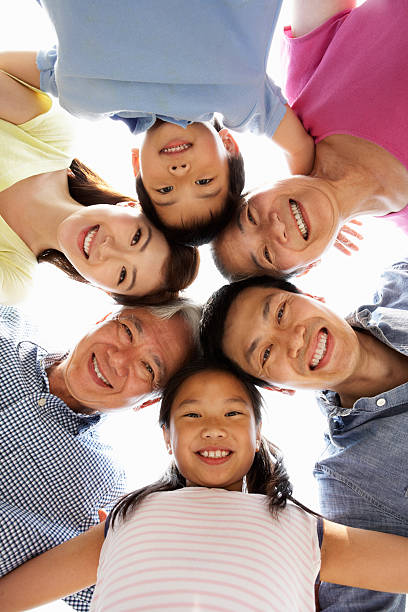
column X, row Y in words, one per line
column 55, row 473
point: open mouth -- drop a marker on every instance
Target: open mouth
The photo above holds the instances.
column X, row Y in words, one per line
column 99, row 374
column 88, row 240
column 177, row 147
column 299, row 217
column 321, row 349
column 214, row 456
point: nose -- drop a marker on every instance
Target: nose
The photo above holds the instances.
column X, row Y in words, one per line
column 276, row 229
column 213, row 430
column 179, row 169
column 121, row 359
column 296, row 340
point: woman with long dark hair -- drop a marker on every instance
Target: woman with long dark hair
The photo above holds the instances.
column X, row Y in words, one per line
column 53, row 208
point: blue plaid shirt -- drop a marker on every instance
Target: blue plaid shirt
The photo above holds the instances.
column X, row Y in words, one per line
column 55, row 474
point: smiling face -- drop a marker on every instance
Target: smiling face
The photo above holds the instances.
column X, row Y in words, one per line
column 115, row 248
column 185, row 171
column 125, row 358
column 281, row 228
column 290, row 339
column 212, row 431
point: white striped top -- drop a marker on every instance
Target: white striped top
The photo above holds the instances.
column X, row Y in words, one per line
column 209, row 549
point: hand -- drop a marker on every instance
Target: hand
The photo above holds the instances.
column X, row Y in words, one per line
column 343, row 243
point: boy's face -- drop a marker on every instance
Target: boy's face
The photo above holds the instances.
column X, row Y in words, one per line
column 185, row 170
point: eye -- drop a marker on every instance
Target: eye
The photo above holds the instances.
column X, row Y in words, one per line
column 233, row 413
column 267, row 255
column 192, row 415
column 203, row 181
column 136, row 237
column 149, row 369
column 266, row 355
column 165, row 189
column 122, row 275
column 281, row 312
column 127, row 330
column 250, row 217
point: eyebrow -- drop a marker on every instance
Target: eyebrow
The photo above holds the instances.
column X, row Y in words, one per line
column 132, row 282
column 234, row 400
column 265, row 313
column 149, row 235
column 162, row 370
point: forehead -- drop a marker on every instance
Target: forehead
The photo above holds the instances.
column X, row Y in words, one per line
column 186, row 211
column 205, row 384
column 237, row 252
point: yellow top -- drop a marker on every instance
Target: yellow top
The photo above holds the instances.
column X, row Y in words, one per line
column 43, row 144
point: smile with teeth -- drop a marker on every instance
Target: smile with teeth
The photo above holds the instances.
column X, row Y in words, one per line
column 320, row 349
column 300, row 221
column 176, row 149
column 89, row 239
column 99, row 373
column 214, row 454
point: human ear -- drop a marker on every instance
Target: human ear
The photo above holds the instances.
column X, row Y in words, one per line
column 258, row 438
column 166, row 436
column 147, row 403
column 281, row 390
column 305, row 269
column 135, row 161
column 229, row 143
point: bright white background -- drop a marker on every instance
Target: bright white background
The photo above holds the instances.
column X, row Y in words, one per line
column 65, row 310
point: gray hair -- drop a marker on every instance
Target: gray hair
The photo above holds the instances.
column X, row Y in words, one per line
column 187, row 309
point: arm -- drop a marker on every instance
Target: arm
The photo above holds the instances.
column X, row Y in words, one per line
column 22, row 64
column 18, row 103
column 56, row 573
column 309, row 14
column 298, row 146
column 364, row 559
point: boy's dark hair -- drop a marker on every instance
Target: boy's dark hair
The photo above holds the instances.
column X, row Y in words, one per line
column 88, row 188
column 267, row 474
column 214, row 315
column 200, row 232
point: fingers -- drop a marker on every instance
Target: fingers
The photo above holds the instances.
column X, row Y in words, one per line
column 349, row 230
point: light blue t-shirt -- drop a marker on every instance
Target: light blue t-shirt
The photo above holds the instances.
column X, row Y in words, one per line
column 178, row 60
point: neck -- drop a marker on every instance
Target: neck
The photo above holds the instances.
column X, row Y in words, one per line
column 366, row 178
column 380, row 368
column 35, row 207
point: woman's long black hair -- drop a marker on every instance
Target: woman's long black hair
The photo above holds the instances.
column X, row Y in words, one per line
column 267, row 474
column 88, row 188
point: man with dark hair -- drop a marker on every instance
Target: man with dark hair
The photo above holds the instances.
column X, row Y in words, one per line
column 277, row 336
column 55, row 473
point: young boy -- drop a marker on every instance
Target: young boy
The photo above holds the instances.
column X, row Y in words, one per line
column 142, row 62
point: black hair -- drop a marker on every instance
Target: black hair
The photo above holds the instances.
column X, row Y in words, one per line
column 215, row 313
column 199, row 231
column 88, row 188
column 267, row 474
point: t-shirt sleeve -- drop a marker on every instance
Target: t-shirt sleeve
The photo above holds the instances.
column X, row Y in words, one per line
column 266, row 114
column 46, row 59
column 302, row 55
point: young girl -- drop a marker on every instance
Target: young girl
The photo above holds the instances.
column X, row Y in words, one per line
column 55, row 209
column 195, row 539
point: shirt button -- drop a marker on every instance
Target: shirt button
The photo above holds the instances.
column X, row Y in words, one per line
column 42, row 401
column 381, row 402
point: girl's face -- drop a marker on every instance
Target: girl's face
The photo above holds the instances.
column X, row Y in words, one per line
column 115, row 248
column 212, row 433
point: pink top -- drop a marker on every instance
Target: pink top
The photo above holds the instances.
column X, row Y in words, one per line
column 204, row 549
column 350, row 76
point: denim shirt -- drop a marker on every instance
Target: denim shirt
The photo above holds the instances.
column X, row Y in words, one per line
column 365, row 449
column 362, row 474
